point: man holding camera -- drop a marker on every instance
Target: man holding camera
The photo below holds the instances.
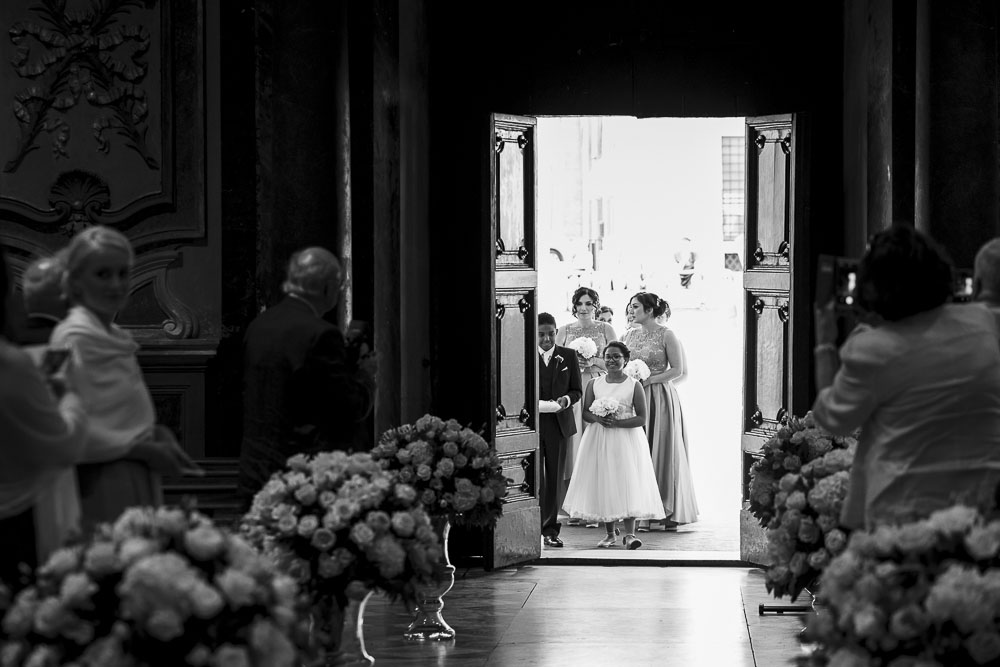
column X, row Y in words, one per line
column 303, row 390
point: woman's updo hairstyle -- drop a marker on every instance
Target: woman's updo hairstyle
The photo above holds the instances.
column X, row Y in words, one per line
column 903, row 273
column 651, row 302
column 580, row 291
column 622, row 347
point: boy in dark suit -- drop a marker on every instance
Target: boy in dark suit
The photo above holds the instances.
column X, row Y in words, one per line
column 559, row 387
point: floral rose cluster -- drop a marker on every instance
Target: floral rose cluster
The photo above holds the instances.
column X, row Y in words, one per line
column 341, row 526
column 159, row 587
column 454, row 470
column 924, row 593
column 797, row 490
column 637, row 370
column 605, row 406
column 584, row 346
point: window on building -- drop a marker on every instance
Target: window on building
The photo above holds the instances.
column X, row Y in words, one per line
column 733, row 175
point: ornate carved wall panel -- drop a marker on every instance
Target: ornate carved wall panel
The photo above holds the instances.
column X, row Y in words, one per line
column 104, row 123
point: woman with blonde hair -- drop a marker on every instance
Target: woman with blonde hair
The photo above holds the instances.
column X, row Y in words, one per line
column 125, row 450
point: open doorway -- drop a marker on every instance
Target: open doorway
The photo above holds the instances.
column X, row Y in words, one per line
column 627, row 205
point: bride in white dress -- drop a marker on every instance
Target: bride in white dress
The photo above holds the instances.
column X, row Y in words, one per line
column 613, row 475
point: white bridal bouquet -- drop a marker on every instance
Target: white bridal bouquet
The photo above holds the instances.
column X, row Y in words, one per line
column 637, row 370
column 585, row 347
column 918, row 594
column 605, row 406
column 160, row 588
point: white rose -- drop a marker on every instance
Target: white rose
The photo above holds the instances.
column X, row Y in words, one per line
column 238, row 587
column 165, row 625
column 206, row 601
column 204, row 542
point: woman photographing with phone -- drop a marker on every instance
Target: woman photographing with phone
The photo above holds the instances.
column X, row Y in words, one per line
column 42, row 436
column 921, row 380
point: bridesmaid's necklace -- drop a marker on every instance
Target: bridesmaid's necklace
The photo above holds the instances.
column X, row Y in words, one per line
column 615, row 377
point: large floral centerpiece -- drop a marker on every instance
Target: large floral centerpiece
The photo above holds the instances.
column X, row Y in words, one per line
column 454, row 470
column 342, row 526
column 160, row 587
column 918, row 594
column 797, row 490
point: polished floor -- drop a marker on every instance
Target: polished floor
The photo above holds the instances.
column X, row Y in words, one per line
column 551, row 615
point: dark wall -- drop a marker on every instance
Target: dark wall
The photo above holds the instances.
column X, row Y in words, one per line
column 589, row 58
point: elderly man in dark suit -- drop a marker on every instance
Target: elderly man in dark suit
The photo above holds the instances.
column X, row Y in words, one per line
column 559, row 387
column 303, row 391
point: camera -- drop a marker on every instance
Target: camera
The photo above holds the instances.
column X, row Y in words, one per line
column 837, row 279
column 360, row 341
column 961, row 285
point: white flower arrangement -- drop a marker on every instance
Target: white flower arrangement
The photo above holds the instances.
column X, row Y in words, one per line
column 455, row 472
column 921, row 593
column 605, row 406
column 160, row 587
column 584, row 346
column 341, row 526
column 637, row 370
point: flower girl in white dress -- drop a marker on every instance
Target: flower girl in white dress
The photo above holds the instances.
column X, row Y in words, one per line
column 613, row 476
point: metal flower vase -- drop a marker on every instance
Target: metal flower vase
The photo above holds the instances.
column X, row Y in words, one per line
column 351, row 651
column 429, row 624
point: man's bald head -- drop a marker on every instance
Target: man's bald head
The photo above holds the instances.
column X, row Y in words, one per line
column 314, row 274
column 986, row 280
column 42, row 286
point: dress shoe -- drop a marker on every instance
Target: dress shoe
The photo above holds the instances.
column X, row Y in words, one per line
column 631, row 542
column 608, row 541
column 553, row 541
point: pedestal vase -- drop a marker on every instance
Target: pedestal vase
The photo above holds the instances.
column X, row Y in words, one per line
column 351, row 651
column 428, row 623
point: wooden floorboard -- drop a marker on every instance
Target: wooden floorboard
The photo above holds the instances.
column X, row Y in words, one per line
column 586, row 615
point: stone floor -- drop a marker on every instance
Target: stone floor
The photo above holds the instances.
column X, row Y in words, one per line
column 712, row 541
column 553, row 615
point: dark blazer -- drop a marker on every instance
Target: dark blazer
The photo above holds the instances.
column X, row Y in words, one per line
column 560, row 378
column 36, row 330
column 299, row 391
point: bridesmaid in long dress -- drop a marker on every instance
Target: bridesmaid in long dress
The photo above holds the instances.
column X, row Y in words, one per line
column 585, row 305
column 657, row 345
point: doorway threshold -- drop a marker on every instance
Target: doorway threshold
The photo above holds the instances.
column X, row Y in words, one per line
column 640, row 557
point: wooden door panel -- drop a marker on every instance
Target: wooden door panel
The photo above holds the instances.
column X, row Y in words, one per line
column 776, row 225
column 514, row 373
column 514, row 185
column 769, row 173
column 514, row 385
column 767, row 363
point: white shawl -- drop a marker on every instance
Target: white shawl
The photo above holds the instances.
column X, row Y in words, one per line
column 105, row 373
